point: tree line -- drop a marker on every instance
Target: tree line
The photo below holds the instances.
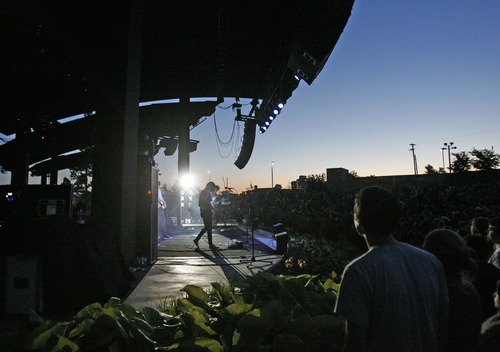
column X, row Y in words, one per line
column 476, row 159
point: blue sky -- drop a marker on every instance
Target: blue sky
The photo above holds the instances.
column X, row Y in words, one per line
column 423, row 72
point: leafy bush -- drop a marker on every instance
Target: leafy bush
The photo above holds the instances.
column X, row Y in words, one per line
column 316, row 255
column 262, row 313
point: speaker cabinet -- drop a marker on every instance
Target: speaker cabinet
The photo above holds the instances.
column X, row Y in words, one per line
column 248, row 143
column 281, row 243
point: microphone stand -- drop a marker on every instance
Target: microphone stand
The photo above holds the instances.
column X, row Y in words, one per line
column 251, row 261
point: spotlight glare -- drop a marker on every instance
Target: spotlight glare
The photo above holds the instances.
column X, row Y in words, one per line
column 186, row 181
column 271, row 118
column 276, row 112
column 280, row 105
column 267, row 123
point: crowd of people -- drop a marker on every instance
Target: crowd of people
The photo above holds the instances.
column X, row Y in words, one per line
column 440, row 249
column 429, row 279
column 429, row 297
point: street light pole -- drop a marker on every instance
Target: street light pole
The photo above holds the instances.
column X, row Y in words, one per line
column 415, row 167
column 442, row 155
column 449, row 146
column 272, row 174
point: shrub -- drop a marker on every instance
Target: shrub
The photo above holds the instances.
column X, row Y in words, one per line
column 317, row 256
column 262, row 313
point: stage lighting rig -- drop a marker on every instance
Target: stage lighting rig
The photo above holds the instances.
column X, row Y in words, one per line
column 237, row 106
column 239, row 116
column 273, row 106
column 272, row 111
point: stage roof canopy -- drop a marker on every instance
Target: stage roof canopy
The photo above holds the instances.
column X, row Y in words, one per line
column 58, row 58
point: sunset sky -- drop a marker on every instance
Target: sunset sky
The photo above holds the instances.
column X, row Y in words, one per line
column 423, row 72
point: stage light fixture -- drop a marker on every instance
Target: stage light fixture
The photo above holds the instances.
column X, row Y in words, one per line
column 280, row 105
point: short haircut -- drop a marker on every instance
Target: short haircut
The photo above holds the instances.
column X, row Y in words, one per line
column 494, row 230
column 450, row 248
column 377, row 210
column 481, row 246
column 479, row 226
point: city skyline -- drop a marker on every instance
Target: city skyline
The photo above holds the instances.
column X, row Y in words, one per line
column 420, row 72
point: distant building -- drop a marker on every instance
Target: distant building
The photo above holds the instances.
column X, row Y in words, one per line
column 300, row 183
column 340, row 180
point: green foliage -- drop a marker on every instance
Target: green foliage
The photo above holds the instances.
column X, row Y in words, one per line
column 316, row 255
column 262, row 313
column 114, row 326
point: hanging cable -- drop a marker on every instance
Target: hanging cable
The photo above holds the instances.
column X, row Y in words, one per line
column 221, row 143
column 235, row 140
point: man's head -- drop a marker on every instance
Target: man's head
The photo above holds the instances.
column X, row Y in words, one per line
column 481, row 246
column 479, row 226
column 494, row 230
column 449, row 247
column 376, row 211
column 211, row 186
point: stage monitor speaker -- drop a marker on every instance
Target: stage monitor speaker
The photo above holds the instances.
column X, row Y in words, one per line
column 279, row 227
column 281, row 242
column 248, row 143
column 23, row 287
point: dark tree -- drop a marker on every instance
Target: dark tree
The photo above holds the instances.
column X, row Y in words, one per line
column 484, row 159
column 316, row 183
column 429, row 169
column 82, row 176
column 462, row 162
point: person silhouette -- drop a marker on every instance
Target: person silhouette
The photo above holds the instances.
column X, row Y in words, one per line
column 485, row 276
column 490, row 329
column 206, row 212
column 393, row 297
column 162, row 225
column 464, row 314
